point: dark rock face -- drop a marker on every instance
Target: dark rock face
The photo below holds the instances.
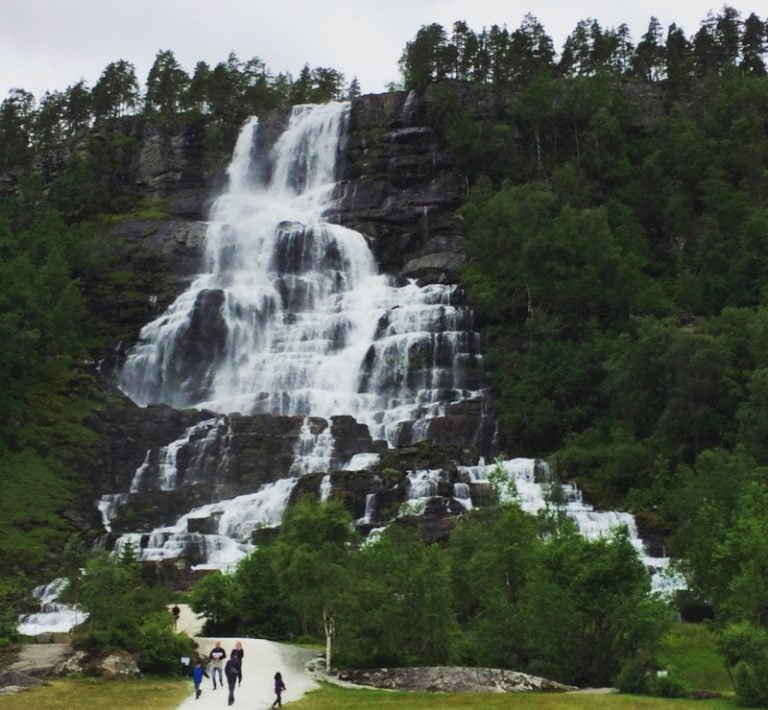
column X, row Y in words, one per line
column 351, row 438
column 446, row 679
column 170, row 160
column 398, row 188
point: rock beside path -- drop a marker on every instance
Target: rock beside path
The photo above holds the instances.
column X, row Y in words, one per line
column 446, row 679
column 41, row 660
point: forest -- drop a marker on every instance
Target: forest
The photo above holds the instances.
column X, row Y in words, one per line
column 617, row 227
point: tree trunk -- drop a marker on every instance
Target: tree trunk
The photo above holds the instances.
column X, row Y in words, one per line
column 330, row 629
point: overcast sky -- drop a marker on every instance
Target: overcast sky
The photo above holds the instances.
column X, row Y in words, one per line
column 49, row 44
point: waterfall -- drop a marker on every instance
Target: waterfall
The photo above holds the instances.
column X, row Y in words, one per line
column 291, row 315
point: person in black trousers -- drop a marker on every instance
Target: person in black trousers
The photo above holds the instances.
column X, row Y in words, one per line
column 237, row 652
column 232, row 671
column 279, row 688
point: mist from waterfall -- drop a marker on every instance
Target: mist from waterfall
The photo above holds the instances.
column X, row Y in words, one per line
column 291, row 315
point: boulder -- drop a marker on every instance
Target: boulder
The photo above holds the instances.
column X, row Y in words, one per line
column 446, row 679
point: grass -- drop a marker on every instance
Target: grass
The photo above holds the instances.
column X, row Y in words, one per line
column 330, row 697
column 68, row 693
column 689, row 654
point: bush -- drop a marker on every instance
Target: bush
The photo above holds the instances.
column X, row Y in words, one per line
column 666, row 687
column 745, row 649
column 633, row 677
column 160, row 648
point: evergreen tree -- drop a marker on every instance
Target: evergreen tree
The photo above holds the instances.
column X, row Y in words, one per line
column 753, row 46
column 197, row 95
column 166, row 84
column 353, row 90
column 116, row 92
column 77, row 109
column 421, row 61
column 648, row 61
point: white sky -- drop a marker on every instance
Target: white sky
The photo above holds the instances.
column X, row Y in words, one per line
column 49, row 44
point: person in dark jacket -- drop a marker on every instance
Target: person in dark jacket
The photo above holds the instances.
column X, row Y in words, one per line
column 232, row 672
column 237, row 652
column 217, row 656
column 197, row 677
column 279, row 688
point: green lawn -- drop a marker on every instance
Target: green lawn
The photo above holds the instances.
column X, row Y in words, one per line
column 69, row 693
column 331, row 697
column 689, row 653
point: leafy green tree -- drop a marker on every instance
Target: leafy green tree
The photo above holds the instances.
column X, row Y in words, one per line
column 745, row 649
column 399, row 608
column 215, row 597
column 313, row 561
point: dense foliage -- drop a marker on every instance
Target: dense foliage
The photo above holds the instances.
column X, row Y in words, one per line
column 618, row 236
column 126, row 614
column 498, row 594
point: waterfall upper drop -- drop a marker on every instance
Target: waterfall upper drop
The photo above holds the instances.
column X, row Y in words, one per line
column 291, row 315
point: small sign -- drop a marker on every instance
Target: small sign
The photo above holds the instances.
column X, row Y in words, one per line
column 185, row 660
column 662, row 674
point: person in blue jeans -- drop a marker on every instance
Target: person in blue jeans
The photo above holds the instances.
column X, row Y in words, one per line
column 197, row 677
column 217, row 656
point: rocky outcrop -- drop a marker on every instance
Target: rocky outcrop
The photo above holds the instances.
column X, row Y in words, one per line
column 399, row 188
column 38, row 660
column 118, row 665
column 444, row 679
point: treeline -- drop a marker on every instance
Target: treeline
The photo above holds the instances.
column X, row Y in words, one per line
column 507, row 58
column 498, row 594
column 226, row 93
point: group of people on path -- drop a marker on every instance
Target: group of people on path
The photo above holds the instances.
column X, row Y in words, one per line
column 232, row 670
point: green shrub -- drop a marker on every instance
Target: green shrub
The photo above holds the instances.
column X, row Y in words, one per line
column 666, row 687
column 633, row 677
column 745, row 649
column 160, row 648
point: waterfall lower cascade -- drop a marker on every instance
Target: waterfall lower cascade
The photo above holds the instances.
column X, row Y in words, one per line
column 292, row 316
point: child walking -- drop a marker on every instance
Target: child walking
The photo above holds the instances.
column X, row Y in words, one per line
column 279, row 688
column 197, row 677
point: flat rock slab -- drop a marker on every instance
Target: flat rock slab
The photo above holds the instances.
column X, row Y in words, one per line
column 449, row 679
column 18, row 680
column 41, row 659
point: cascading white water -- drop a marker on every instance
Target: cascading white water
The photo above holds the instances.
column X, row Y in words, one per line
column 292, row 316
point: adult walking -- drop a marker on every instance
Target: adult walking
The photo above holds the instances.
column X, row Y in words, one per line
column 217, row 656
column 232, row 672
column 238, row 653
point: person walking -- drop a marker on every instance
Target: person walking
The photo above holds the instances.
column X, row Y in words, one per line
column 232, row 672
column 217, row 656
column 197, row 677
column 176, row 613
column 279, row 688
column 237, row 652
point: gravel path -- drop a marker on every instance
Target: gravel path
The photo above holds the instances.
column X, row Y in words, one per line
column 262, row 659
